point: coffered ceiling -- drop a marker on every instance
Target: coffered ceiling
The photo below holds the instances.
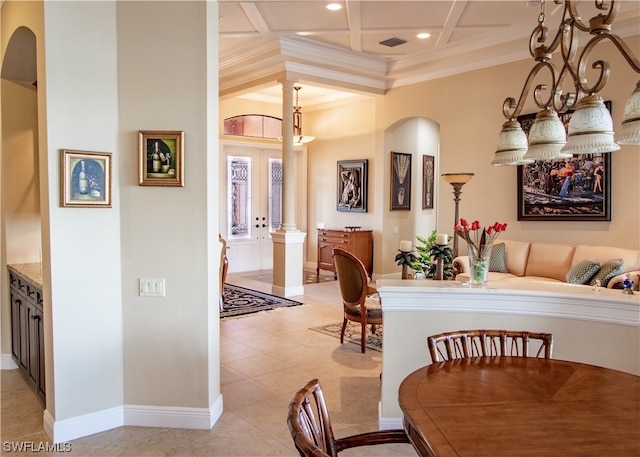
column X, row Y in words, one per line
column 262, row 41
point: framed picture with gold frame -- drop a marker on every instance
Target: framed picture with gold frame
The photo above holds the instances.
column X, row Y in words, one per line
column 85, row 179
column 161, row 158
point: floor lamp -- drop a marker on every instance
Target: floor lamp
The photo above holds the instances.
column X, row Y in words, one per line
column 457, row 180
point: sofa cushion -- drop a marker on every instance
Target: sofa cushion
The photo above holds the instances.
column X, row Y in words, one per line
column 549, row 260
column 497, row 261
column 607, row 271
column 516, row 256
column 582, row 272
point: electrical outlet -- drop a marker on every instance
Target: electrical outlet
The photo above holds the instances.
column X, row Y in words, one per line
column 151, row 287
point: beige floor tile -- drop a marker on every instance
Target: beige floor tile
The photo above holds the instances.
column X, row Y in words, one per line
column 265, row 358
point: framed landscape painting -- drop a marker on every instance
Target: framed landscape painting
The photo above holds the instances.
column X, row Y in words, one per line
column 573, row 189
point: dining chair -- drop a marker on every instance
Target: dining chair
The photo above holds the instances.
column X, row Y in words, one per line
column 311, row 430
column 355, row 288
column 476, row 343
column 224, row 266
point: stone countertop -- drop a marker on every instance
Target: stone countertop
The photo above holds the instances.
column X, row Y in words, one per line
column 31, row 271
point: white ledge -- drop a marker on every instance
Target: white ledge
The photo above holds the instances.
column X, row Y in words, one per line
column 526, row 298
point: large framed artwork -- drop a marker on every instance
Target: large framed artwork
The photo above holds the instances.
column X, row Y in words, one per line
column 400, row 181
column 161, row 158
column 428, row 166
column 573, row 189
column 352, row 185
column 85, row 179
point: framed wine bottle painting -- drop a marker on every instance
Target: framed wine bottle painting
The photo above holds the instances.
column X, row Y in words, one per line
column 85, row 179
column 161, row 155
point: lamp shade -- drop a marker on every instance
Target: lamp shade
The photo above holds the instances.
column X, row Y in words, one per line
column 590, row 128
column 511, row 145
column 547, row 137
column 630, row 133
column 457, row 178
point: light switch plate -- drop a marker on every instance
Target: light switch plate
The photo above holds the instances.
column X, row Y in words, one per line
column 152, row 287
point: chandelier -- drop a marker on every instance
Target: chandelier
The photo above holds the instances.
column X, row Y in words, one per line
column 590, row 127
column 298, row 138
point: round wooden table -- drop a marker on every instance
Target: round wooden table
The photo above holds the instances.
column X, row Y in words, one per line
column 521, row 407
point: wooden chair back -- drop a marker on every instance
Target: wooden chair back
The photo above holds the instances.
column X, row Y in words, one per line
column 310, row 427
column 475, row 343
column 352, row 277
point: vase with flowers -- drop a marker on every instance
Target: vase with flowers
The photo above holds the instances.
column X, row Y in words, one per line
column 479, row 244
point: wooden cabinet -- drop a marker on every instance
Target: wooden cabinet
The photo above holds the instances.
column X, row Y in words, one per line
column 358, row 242
column 27, row 329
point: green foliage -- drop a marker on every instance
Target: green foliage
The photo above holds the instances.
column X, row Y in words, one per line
column 429, row 253
column 406, row 258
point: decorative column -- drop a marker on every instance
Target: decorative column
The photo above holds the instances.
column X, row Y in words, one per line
column 288, row 241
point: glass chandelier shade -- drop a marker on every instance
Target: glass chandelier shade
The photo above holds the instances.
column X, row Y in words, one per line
column 547, row 137
column 511, row 145
column 590, row 128
column 298, row 138
column 630, row 133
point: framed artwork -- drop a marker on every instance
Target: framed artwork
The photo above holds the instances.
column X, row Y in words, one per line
column 428, row 167
column 352, row 185
column 573, row 189
column 85, row 179
column 161, row 158
column 400, row 181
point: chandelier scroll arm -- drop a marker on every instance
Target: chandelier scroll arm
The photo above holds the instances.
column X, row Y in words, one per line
column 512, row 109
column 602, row 65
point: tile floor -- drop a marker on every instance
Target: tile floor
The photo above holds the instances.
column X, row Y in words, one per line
column 265, row 358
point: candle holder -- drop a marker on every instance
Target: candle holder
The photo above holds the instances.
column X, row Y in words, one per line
column 406, row 259
column 439, row 274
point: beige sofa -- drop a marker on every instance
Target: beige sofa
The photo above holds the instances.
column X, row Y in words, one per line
column 526, row 261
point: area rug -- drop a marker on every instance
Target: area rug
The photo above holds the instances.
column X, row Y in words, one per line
column 240, row 301
column 352, row 334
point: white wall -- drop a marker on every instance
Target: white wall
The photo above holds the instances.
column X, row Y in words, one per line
column 167, row 59
column 102, row 76
column 82, row 296
column 418, row 137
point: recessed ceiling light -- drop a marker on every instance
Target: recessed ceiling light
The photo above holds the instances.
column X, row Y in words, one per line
column 334, row 6
column 423, row 35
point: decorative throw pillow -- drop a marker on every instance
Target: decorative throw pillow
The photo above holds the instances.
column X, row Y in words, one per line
column 496, row 261
column 582, row 272
column 607, row 271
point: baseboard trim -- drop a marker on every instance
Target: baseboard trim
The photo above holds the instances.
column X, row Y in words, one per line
column 134, row 415
column 77, row 427
column 173, row 417
column 7, row 362
column 286, row 292
column 388, row 423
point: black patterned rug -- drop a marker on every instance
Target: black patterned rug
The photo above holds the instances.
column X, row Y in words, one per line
column 352, row 334
column 240, row 301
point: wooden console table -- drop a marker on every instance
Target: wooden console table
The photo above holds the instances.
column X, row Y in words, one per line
column 521, row 407
column 357, row 242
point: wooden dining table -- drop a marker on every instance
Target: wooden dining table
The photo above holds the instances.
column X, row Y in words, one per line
column 521, row 407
